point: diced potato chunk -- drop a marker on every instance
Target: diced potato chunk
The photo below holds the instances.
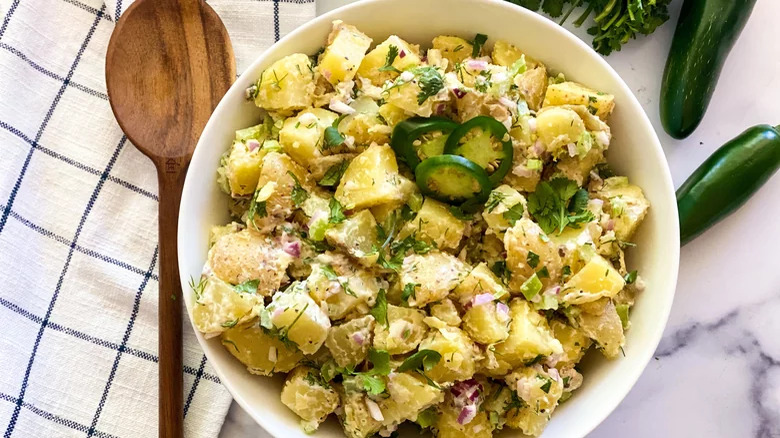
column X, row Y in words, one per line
column 435, row 274
column 376, row 58
column 392, row 114
column 557, row 127
column 345, row 51
column 454, row 49
column 532, row 86
column 575, row 343
column 262, row 353
column 540, row 394
column 435, row 223
column 572, row 93
column 487, row 323
column 288, row 84
column 458, row 354
column 218, row 306
column 404, row 332
column 310, row 398
column 529, row 336
column 357, row 236
column 502, row 198
column 409, row 394
column 352, row 291
column 506, row 54
column 480, row 280
column 348, row 343
column 301, row 136
column 406, row 94
column 243, row 168
column 247, row 255
column 446, row 311
column 627, row 205
column 600, row 321
column 295, row 315
column 279, row 204
column 366, row 128
column 597, row 279
column 356, row 418
column 525, row 237
column 371, row 179
column 448, row 426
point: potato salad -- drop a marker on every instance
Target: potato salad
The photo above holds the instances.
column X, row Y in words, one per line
column 425, row 234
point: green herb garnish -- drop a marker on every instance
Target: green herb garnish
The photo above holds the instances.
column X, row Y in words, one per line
column 558, row 204
column 379, row 311
column 392, row 53
column 336, row 212
column 479, row 41
column 299, row 194
column 333, row 175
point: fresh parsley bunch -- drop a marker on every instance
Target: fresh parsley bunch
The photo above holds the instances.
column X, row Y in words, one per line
column 615, row 21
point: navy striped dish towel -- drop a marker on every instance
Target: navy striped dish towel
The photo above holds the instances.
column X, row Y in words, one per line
column 78, row 232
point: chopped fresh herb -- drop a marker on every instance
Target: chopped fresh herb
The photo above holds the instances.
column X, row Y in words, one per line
column 553, row 207
column 458, row 48
column 494, row 200
column 392, row 53
column 547, row 384
column 423, row 360
column 197, row 288
column 623, row 352
column 427, row 418
column 460, row 214
column 533, row 259
column 535, row 360
column 228, row 341
column 380, row 361
column 256, row 209
column 604, row 171
column 406, row 213
column 370, row 380
column 247, row 287
column 277, row 81
column 379, row 311
column 543, row 273
column 622, row 311
column 566, row 271
column 299, row 194
column 482, row 83
column 430, row 81
column 515, row 402
column 297, row 125
column 316, row 379
column 499, row 268
column 566, row 381
column 408, row 292
column 230, row 324
column 332, row 137
column 630, row 278
column 531, row 287
column 331, row 275
column 514, row 214
column 336, row 212
column 333, row 175
column 479, row 41
column 373, row 385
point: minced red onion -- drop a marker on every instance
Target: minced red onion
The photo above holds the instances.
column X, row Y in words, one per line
column 523, row 171
column 440, row 108
column 481, row 299
column 553, row 372
column 467, row 414
column 466, row 392
column 278, row 312
column 476, row 65
column 507, row 102
column 538, row 148
column 402, row 54
column 502, row 308
column 374, row 410
column 292, row 248
column 252, row 144
column 552, row 291
column 610, row 225
column 459, row 93
column 358, row 338
column 572, row 149
column 326, row 74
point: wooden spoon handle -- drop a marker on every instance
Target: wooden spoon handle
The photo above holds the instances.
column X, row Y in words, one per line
column 171, row 181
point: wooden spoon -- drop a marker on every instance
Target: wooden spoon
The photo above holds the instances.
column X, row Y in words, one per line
column 169, row 62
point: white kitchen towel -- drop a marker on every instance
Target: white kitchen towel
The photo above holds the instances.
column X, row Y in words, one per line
column 78, row 231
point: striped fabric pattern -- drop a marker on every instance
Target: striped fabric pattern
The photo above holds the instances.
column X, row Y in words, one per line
column 78, row 232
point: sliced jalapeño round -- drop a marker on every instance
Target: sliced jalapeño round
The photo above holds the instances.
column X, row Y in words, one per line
column 418, row 138
column 485, row 141
column 452, row 179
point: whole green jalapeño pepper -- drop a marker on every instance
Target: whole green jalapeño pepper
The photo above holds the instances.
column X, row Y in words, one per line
column 485, row 141
column 418, row 138
column 727, row 179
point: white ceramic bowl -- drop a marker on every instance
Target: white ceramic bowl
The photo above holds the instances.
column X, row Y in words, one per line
column 635, row 152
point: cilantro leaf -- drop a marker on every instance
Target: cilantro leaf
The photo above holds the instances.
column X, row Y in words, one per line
column 553, row 8
column 533, row 259
column 380, row 361
column 372, row 384
column 430, row 81
column 514, row 214
column 423, row 360
column 427, row 418
column 333, row 175
column 460, row 214
column 631, row 277
column 392, row 53
column 408, row 292
column 553, row 208
column 479, row 41
column 299, row 194
column 336, row 212
column 247, row 287
column 332, row 137
column 379, row 311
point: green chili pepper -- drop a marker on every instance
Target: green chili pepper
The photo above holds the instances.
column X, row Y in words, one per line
column 485, row 141
column 423, row 129
column 452, row 179
column 727, row 179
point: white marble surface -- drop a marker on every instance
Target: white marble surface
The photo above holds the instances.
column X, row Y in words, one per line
column 717, row 370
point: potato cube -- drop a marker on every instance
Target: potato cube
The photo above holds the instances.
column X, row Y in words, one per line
column 597, row 279
column 409, row 394
column 345, row 51
column 341, row 289
column 392, row 114
column 574, row 342
column 435, row 223
column 276, row 179
column 247, row 255
column 447, row 425
column 458, row 354
column 627, row 205
column 532, row 85
column 409, row 96
column 601, row 322
column 454, row 49
column 524, row 238
column 301, row 136
column 540, row 393
column 480, row 280
column 572, row 93
column 371, row 179
column 262, row 353
column 501, row 199
column 348, row 343
column 487, row 323
column 243, row 168
column 356, row 418
column 507, row 54
column 446, row 311
column 404, row 332
column 309, row 397
column 366, row 128
column 557, row 127
column 434, row 275
column 288, row 84
column 296, row 317
column 529, row 336
column 357, row 236
column 218, row 305
column 408, row 56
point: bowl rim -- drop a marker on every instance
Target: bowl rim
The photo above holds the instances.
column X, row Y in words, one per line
column 664, row 180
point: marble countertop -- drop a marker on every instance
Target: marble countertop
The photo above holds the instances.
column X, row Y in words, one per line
column 716, row 372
